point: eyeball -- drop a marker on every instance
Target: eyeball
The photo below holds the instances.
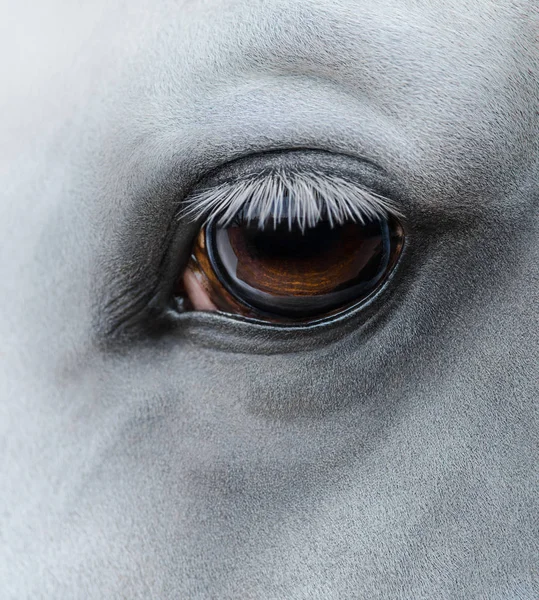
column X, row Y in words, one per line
column 287, row 272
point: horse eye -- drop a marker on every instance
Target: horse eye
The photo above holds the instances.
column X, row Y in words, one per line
column 285, row 272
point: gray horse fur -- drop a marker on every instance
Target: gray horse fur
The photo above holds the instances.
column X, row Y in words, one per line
column 390, row 453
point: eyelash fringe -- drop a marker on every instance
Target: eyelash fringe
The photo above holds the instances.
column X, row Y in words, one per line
column 314, row 196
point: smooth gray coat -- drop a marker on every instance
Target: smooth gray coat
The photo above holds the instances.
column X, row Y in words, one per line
column 390, row 453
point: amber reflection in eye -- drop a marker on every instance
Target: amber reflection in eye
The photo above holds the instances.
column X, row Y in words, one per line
column 283, row 272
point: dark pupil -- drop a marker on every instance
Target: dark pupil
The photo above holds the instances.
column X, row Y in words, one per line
column 290, row 272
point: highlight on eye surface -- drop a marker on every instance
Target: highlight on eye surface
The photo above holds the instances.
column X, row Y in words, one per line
column 289, row 247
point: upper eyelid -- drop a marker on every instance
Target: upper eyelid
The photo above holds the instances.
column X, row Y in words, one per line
column 313, row 190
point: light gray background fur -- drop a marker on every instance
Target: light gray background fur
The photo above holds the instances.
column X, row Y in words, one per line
column 389, row 454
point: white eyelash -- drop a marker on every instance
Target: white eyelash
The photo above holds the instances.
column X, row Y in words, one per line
column 314, row 194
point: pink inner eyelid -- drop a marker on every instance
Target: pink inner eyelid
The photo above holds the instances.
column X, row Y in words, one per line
column 196, row 293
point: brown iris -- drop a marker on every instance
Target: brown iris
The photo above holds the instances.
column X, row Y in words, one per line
column 285, row 273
